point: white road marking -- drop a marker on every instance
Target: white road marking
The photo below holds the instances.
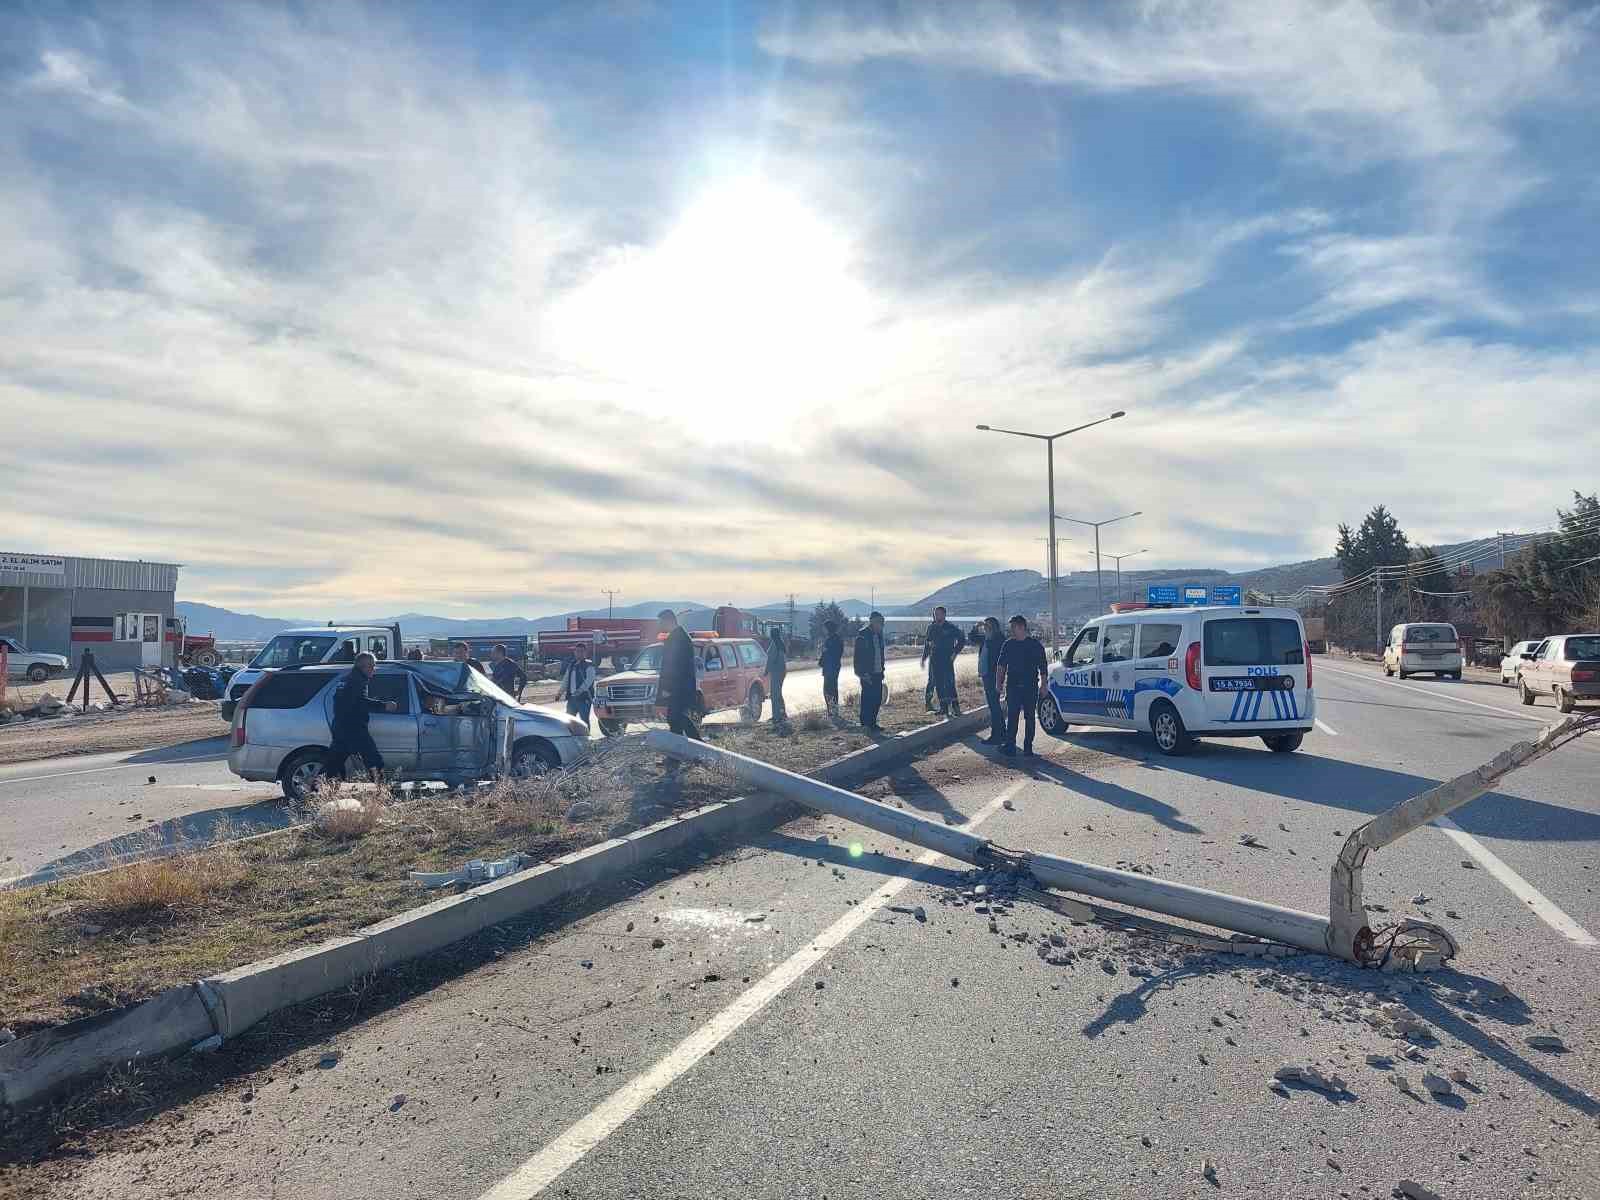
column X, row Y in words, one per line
column 167, row 762
column 1494, row 708
column 1519, row 887
column 1326, row 728
column 560, row 1155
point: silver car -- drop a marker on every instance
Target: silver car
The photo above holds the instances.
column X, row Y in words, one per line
column 1511, row 664
column 451, row 725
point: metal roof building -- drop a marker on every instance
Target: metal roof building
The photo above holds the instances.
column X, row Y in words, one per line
column 58, row 604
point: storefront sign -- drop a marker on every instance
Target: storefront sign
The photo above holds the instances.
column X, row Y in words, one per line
column 33, row 564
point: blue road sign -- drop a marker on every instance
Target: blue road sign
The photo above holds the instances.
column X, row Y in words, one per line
column 1227, row 593
column 1196, row 595
column 1161, row 593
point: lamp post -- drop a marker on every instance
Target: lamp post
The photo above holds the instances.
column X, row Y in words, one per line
column 1099, row 594
column 1117, row 558
column 1049, row 440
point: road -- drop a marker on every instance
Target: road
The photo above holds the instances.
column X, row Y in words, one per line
column 800, row 1033
column 65, row 815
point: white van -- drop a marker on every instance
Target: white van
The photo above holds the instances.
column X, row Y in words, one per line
column 1423, row 646
column 1183, row 673
column 311, row 646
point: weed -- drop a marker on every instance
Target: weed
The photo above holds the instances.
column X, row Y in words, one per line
column 159, row 885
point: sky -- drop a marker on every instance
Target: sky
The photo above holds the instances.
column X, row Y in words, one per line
column 482, row 310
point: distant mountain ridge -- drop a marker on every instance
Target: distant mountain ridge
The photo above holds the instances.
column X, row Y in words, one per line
column 232, row 626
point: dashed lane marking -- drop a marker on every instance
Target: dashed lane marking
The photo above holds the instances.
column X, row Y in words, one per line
column 1519, row 887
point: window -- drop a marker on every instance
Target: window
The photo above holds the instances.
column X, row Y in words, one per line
column 1159, row 641
column 1253, row 642
column 1117, row 646
column 713, row 659
column 1083, row 649
column 648, row 659
column 1551, row 650
column 750, row 654
column 293, row 689
column 1430, row 633
column 291, row 649
column 379, row 646
column 1582, row 647
column 348, row 649
column 391, row 687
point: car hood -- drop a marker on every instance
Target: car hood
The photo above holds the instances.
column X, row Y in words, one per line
column 629, row 677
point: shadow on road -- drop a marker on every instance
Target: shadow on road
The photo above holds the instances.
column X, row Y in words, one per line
column 199, row 750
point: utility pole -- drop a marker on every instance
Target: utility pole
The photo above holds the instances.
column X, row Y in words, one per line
column 1502, row 550
column 611, row 600
column 1099, row 591
column 1378, row 583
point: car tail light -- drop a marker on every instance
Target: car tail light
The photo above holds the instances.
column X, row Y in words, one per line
column 1307, row 648
column 239, row 718
column 1191, row 665
column 1585, row 676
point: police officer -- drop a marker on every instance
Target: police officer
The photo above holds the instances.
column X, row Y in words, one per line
column 351, row 708
column 939, row 650
column 1022, row 671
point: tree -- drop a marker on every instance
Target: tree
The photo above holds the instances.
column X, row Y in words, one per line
column 1380, row 542
column 830, row 612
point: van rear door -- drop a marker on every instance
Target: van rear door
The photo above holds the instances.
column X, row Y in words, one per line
column 1253, row 670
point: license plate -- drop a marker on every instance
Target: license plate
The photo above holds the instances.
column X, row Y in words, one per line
column 1252, row 683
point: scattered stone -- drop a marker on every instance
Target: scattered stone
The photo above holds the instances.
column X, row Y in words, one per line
column 1382, row 1061
column 582, row 810
column 1208, row 1170
column 1468, row 865
column 1109, row 967
column 656, row 943
column 398, row 1102
column 920, row 913
column 712, row 977
column 1437, row 1084
column 1146, row 1142
column 329, row 1060
column 1419, row 898
column 1008, row 806
column 955, row 983
column 203, row 1046
column 1412, row 1190
column 1452, row 914
column 1400, row 1080
column 630, row 927
column 1546, row 1041
column 1250, row 839
column 755, row 918
column 1311, row 1077
column 587, row 964
column 1459, row 1076
column 819, row 985
column 1334, row 1163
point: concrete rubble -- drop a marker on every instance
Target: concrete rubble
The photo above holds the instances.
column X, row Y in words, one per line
column 1311, row 1077
column 476, row 870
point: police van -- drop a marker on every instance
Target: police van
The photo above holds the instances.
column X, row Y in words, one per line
column 1183, row 673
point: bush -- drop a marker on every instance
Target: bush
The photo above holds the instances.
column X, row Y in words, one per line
column 158, row 885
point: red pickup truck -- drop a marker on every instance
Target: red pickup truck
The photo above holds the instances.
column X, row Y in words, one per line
column 622, row 638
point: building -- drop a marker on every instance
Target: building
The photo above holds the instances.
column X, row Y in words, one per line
column 123, row 610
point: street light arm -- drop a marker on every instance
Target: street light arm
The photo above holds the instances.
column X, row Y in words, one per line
column 1016, row 432
column 1088, row 425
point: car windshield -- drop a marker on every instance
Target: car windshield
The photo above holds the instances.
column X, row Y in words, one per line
column 293, row 649
column 484, row 686
column 1582, row 647
column 648, row 659
column 1430, row 633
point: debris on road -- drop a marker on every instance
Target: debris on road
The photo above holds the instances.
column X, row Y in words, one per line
column 1311, row 1078
column 1410, row 1189
column 1547, row 1042
column 476, row 870
column 1437, row 1084
column 329, row 1060
column 1208, row 1171
column 1468, row 865
column 1250, row 839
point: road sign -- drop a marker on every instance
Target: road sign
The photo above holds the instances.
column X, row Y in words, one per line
column 1227, row 593
column 1195, row 595
column 1161, row 593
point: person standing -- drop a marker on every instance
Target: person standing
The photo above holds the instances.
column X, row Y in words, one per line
column 351, row 708
column 939, row 650
column 777, row 668
column 577, row 684
column 675, row 685
column 830, row 660
column 1023, row 670
column 869, row 656
column 506, row 672
column 990, row 642
column 463, row 654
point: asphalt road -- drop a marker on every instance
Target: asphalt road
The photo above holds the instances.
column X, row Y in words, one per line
column 65, row 815
column 800, row 1033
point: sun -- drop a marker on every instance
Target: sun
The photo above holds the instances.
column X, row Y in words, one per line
column 749, row 297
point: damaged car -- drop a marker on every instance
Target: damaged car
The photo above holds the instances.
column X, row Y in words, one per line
column 451, row 725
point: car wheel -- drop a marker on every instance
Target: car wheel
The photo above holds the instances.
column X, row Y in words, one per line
column 1050, row 716
column 532, row 758
column 38, row 673
column 1283, row 743
column 753, row 702
column 300, row 774
column 1564, row 702
column 610, row 728
column 1522, row 690
column 1168, row 730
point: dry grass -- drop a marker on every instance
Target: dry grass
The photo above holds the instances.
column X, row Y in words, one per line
column 344, row 817
column 95, row 941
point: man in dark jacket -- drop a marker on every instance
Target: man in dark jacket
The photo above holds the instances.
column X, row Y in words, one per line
column 990, row 641
column 939, row 650
column 351, row 708
column 508, row 676
column 831, row 660
column 869, row 656
column 463, row 654
column 675, row 685
column 1023, row 671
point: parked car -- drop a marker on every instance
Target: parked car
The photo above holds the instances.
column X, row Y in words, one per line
column 1423, row 646
column 1183, row 673
column 449, row 726
column 318, row 644
column 1566, row 667
column 727, row 671
column 1511, row 664
column 22, row 663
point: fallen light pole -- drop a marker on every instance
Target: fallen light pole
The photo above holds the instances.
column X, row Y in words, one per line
column 1410, row 944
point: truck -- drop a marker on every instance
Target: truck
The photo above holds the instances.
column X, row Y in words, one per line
column 316, row 644
column 481, row 644
column 1316, row 634
column 622, row 638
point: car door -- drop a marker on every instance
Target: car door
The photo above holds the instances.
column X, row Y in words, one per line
column 1118, row 654
column 1077, row 690
column 395, row 734
column 1157, row 669
column 1547, row 666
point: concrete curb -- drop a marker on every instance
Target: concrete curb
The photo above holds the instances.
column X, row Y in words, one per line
column 33, row 1067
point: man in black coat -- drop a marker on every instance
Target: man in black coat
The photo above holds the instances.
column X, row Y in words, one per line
column 351, row 708
column 831, row 660
column 939, row 650
column 1022, row 671
column 675, row 685
column 869, row 657
column 506, row 672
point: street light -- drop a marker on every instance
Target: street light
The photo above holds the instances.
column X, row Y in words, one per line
column 1049, row 440
column 1117, row 558
column 1099, row 595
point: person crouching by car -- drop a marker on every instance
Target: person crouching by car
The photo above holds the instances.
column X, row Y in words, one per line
column 577, row 684
column 351, row 708
column 508, row 676
column 676, row 693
